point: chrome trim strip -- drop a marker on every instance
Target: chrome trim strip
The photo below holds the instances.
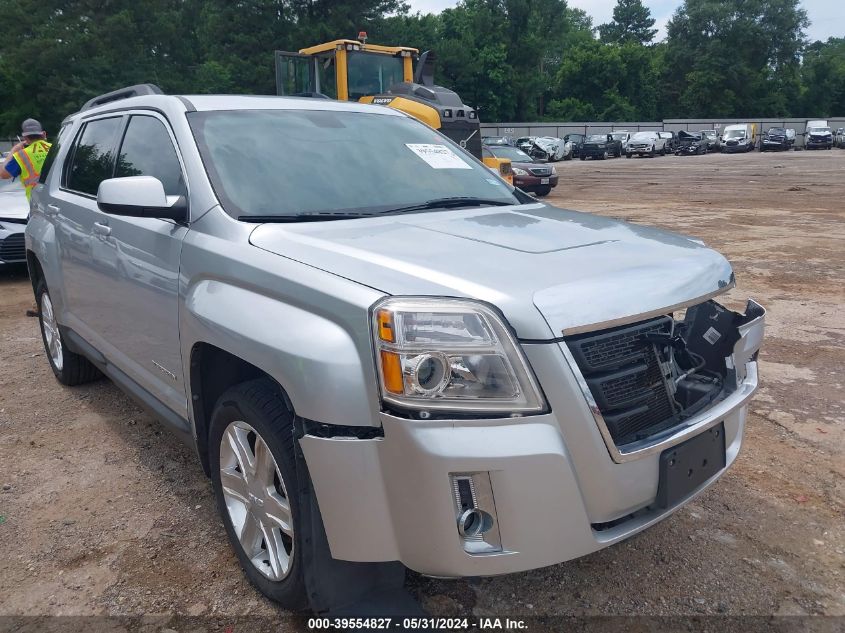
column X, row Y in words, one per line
column 642, row 316
column 697, row 424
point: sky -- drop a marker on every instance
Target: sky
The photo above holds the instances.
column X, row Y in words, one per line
column 825, row 15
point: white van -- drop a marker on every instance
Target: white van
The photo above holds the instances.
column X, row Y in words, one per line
column 739, row 137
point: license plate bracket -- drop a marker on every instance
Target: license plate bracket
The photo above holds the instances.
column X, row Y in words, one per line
column 684, row 467
column 544, row 181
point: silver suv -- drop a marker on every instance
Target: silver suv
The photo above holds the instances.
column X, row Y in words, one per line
column 384, row 355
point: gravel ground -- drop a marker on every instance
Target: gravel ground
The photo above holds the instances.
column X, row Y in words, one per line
column 103, row 512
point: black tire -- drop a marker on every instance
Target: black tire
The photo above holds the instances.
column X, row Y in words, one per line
column 663, row 151
column 628, row 155
column 75, row 368
column 543, row 192
column 583, row 158
column 260, row 404
column 604, row 155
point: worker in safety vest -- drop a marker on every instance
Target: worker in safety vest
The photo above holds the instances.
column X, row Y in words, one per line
column 28, row 156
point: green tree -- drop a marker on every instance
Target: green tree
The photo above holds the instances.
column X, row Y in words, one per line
column 823, row 77
column 632, row 22
column 728, row 58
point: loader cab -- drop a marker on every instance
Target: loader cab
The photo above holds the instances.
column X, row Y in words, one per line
column 393, row 76
column 346, row 70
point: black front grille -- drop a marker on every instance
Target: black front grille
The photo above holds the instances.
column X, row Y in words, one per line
column 624, row 375
column 541, row 171
column 13, row 249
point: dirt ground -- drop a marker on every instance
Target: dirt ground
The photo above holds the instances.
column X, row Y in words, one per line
column 103, row 512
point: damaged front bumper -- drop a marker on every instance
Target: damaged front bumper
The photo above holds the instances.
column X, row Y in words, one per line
column 556, row 485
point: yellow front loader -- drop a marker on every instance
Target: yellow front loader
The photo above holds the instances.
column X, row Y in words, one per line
column 393, row 76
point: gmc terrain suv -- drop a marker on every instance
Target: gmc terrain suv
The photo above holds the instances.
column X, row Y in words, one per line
column 395, row 361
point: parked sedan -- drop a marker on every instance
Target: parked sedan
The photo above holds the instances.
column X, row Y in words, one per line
column 601, row 146
column 671, row 143
column 713, row 142
column 690, row 143
column 14, row 211
column 777, row 138
column 577, row 141
column 528, row 174
column 646, row 144
column 623, row 136
column 496, row 140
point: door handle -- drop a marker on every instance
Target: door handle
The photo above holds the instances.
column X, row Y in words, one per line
column 52, row 209
column 101, row 229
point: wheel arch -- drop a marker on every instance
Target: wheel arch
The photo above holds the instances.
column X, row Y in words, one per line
column 212, row 372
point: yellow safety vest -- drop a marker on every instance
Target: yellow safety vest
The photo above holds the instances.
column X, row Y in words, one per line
column 31, row 159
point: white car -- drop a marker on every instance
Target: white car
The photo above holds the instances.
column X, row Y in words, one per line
column 14, row 212
column 646, row 144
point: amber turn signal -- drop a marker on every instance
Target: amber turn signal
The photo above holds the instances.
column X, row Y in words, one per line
column 391, row 368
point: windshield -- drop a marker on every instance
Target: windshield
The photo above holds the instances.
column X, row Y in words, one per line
column 819, row 130
column 300, row 162
column 597, row 138
column 372, row 73
column 777, row 131
column 735, row 134
column 619, row 137
column 644, row 136
column 710, row 133
column 513, row 153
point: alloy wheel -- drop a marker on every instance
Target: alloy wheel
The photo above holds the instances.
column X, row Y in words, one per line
column 51, row 332
column 256, row 500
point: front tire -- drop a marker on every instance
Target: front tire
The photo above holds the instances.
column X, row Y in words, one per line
column 541, row 193
column 253, row 471
column 69, row 368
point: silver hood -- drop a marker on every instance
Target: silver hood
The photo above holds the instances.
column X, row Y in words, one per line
column 550, row 271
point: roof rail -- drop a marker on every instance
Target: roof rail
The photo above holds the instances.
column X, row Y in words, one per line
column 122, row 93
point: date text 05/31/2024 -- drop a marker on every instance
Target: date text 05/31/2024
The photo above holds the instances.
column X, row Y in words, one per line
column 432, row 624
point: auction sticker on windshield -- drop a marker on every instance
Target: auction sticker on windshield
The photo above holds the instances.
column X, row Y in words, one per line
column 438, row 156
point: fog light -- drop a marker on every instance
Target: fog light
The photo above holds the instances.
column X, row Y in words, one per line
column 474, row 522
column 475, row 513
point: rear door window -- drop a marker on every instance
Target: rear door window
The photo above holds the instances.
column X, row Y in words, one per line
column 147, row 150
column 93, row 156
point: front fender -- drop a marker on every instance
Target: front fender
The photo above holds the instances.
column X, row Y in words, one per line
column 323, row 366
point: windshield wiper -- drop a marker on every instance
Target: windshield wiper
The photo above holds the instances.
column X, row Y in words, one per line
column 450, row 203
column 321, row 216
column 303, row 217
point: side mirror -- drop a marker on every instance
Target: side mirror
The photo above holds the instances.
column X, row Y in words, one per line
column 140, row 197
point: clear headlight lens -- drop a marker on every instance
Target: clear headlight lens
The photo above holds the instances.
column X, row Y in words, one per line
column 519, row 172
column 450, row 354
column 554, row 171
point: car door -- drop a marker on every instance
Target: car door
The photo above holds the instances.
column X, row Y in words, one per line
column 139, row 287
column 89, row 161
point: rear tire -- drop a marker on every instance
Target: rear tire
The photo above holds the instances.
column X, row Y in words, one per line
column 69, row 368
column 250, row 414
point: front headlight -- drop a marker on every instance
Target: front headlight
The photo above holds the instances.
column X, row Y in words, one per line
column 554, row 171
column 450, row 355
column 519, row 172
